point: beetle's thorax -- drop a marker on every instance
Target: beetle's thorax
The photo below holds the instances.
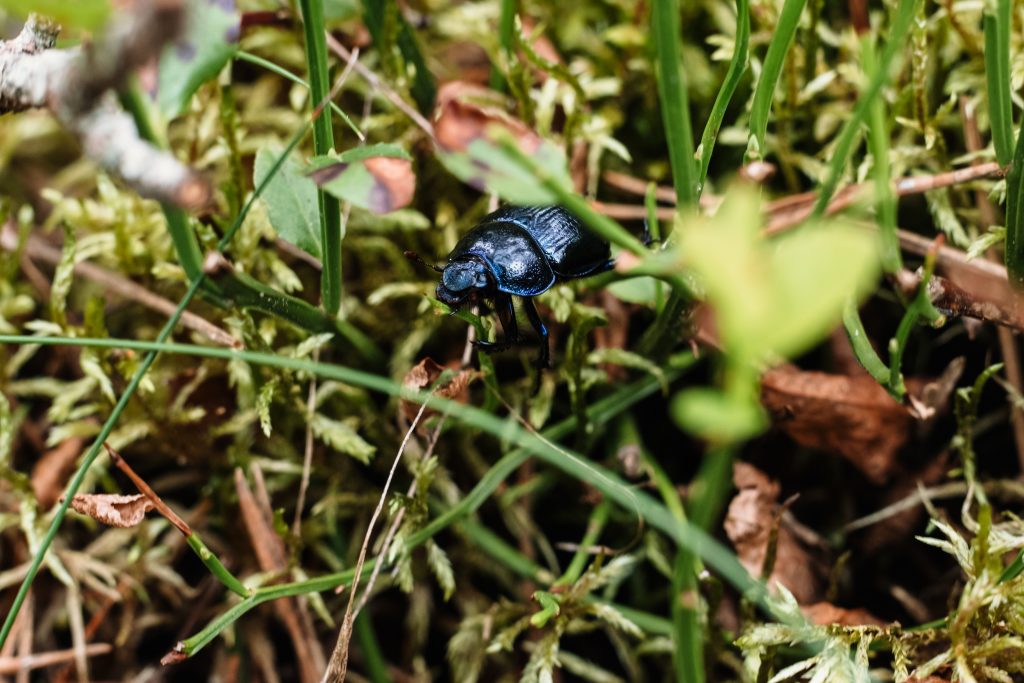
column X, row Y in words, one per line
column 463, row 279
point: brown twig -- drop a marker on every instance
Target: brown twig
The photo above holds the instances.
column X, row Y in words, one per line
column 77, row 85
column 272, row 558
column 16, row 665
column 158, row 504
column 380, row 86
column 37, row 248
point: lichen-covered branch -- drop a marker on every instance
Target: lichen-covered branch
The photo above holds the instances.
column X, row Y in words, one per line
column 77, row 85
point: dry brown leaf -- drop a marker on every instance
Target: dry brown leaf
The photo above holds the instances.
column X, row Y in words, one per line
column 396, row 183
column 851, row 416
column 748, row 524
column 465, row 112
column 424, row 374
column 113, row 509
column 825, row 614
column 51, row 471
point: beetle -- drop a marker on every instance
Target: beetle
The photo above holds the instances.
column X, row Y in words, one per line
column 519, row 251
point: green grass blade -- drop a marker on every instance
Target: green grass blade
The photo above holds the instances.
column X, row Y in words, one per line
column 506, row 40
column 764, row 92
column 1015, row 215
column 675, row 106
column 737, row 67
column 848, row 135
column 243, row 56
column 997, row 78
column 885, row 198
column 122, row 402
column 323, row 143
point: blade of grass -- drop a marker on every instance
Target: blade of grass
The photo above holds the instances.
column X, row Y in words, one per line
column 539, row 445
column 764, row 92
column 737, row 67
column 122, row 402
column 323, row 143
column 1015, row 215
column 244, row 56
column 675, row 106
column 878, row 141
column 506, row 40
column 843, row 148
column 997, row 77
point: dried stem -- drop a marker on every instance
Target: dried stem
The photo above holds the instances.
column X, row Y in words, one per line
column 77, row 85
column 337, row 668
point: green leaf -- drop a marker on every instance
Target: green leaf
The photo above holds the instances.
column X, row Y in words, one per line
column 376, row 177
column 207, row 45
column 717, row 416
column 630, row 360
column 84, row 14
column 779, row 296
column 343, row 438
column 291, row 201
column 486, row 166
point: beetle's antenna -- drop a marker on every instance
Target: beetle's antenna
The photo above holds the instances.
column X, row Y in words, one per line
column 415, row 258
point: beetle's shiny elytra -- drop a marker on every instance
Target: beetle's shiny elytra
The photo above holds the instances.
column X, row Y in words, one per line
column 520, row 251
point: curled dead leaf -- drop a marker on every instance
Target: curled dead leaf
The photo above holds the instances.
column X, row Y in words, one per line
column 826, row 614
column 424, row 374
column 852, row 416
column 113, row 509
column 749, row 524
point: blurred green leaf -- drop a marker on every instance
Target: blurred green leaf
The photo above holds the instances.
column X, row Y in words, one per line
column 717, row 416
column 779, row 296
column 81, row 14
column 291, row 201
column 486, row 166
column 208, row 43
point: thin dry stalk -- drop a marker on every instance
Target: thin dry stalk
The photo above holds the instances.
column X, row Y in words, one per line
column 158, row 504
column 307, row 455
column 337, row 668
column 379, row 85
column 389, row 537
column 272, row 557
column 37, row 248
column 24, row 664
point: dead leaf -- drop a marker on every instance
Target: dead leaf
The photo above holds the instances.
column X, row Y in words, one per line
column 424, row 374
column 465, row 112
column 748, row 524
column 380, row 184
column 51, row 471
column 825, row 614
column 396, row 183
column 113, row 509
column 851, row 416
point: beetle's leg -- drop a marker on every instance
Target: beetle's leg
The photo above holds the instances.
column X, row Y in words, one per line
column 543, row 359
column 507, row 316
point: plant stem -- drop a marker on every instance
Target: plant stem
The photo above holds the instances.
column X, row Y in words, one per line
column 323, row 143
column 737, row 67
column 997, row 78
column 675, row 106
column 764, row 92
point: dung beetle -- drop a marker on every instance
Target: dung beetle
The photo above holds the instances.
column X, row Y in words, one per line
column 519, row 251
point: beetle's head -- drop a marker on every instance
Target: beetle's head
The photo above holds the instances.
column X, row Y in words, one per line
column 460, row 280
